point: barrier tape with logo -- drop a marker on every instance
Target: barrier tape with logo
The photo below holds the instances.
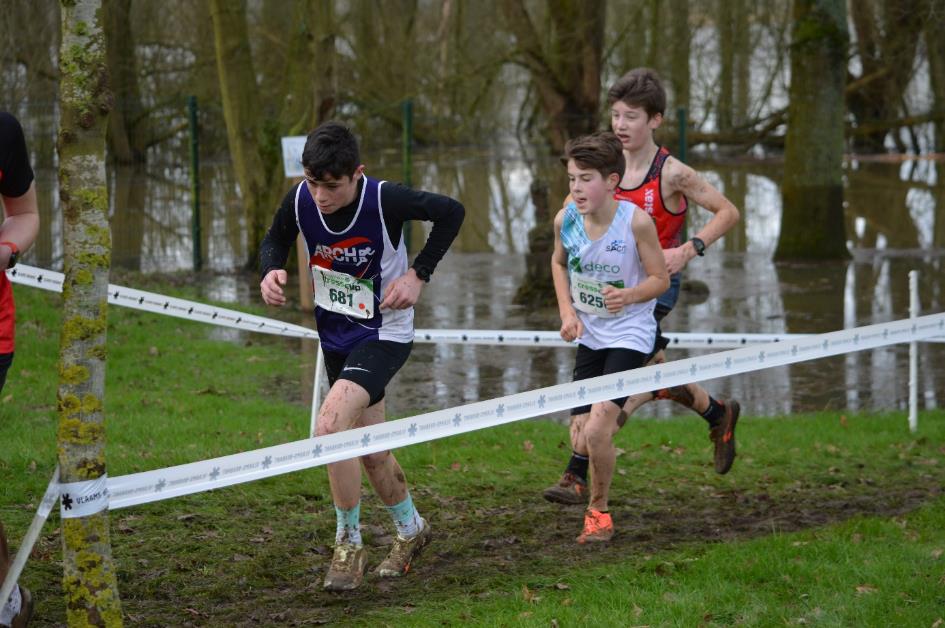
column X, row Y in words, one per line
column 201, row 312
column 196, row 477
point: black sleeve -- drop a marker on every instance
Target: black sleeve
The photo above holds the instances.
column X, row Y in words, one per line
column 16, row 175
column 275, row 247
column 401, row 204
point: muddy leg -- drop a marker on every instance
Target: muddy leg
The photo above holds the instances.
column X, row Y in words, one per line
column 600, row 430
column 345, row 403
column 382, row 468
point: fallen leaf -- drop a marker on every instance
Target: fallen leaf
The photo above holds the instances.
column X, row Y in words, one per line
column 938, row 622
column 937, row 553
column 866, row 588
column 529, row 596
column 843, row 420
column 554, row 623
column 637, row 611
column 8, row 399
column 528, row 445
column 153, row 351
column 567, row 602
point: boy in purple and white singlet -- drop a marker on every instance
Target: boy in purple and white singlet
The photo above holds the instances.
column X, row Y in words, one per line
column 364, row 297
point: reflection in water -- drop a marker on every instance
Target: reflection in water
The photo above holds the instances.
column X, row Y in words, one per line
column 895, row 222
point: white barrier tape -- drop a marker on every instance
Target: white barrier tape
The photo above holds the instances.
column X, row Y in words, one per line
column 161, row 304
column 82, row 499
column 201, row 312
column 26, row 547
column 196, row 477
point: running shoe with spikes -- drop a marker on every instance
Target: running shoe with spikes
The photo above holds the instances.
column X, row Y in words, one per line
column 723, row 437
column 403, row 552
column 569, row 490
column 598, row 527
column 347, row 567
column 22, row 618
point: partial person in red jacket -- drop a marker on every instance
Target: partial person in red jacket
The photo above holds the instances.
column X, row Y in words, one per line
column 17, row 233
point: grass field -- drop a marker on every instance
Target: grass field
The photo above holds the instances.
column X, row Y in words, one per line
column 826, row 519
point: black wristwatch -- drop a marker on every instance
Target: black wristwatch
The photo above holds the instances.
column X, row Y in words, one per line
column 14, row 253
column 422, row 273
column 698, row 245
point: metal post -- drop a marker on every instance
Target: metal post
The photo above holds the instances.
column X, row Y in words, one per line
column 913, row 354
column 316, row 388
column 32, row 534
column 195, row 180
column 407, row 156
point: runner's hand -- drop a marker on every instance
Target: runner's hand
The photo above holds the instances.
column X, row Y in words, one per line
column 571, row 327
column 677, row 258
column 271, row 287
column 616, row 298
column 403, row 292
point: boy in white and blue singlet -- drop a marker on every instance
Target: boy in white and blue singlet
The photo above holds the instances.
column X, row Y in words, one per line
column 608, row 269
column 364, row 292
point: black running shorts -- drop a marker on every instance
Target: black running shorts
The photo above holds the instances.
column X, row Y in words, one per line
column 370, row 365
column 594, row 363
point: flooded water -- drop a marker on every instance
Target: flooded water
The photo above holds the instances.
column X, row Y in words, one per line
column 895, row 222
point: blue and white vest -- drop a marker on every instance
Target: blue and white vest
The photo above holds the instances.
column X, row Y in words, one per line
column 613, row 258
column 362, row 250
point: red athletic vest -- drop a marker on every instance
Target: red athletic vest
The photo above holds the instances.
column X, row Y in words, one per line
column 7, row 314
column 649, row 197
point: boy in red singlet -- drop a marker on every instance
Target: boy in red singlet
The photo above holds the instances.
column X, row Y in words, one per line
column 662, row 186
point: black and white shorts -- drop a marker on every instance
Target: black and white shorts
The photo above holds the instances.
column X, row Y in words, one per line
column 370, row 365
column 596, row 362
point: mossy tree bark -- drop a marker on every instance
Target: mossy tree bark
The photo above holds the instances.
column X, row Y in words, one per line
column 89, row 579
column 812, row 225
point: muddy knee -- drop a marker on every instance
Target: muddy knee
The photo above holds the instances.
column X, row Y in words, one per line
column 679, row 394
column 375, row 461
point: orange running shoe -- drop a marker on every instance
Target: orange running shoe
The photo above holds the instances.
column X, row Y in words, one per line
column 598, row 527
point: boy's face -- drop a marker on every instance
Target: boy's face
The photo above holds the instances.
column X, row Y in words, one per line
column 632, row 125
column 332, row 194
column 589, row 189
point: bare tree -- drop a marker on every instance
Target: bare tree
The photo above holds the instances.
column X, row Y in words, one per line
column 88, row 573
column 812, row 224
column 564, row 63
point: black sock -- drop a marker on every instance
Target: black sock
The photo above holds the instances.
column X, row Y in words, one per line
column 715, row 412
column 577, row 466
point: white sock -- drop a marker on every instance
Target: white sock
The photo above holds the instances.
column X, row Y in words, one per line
column 12, row 608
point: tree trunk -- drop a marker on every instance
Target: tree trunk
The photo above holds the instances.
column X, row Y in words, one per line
column 679, row 52
column 886, row 41
column 125, row 142
column 812, row 224
column 935, row 44
column 89, row 579
column 242, row 114
column 566, row 70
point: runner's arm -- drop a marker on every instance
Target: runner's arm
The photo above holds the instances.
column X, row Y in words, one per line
column 686, row 181
column 274, row 251
column 402, row 204
column 275, row 247
column 571, row 326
